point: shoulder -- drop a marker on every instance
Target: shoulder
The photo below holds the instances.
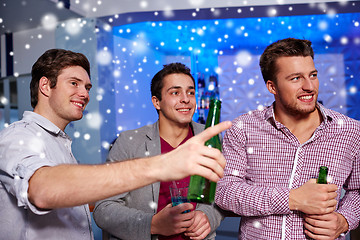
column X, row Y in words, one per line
column 136, row 137
column 21, row 128
column 140, row 132
column 341, row 120
column 251, row 118
column 197, row 127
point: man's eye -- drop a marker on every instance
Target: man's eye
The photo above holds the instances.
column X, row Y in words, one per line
column 74, row 83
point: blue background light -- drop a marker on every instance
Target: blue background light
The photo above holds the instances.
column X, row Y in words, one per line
column 230, row 48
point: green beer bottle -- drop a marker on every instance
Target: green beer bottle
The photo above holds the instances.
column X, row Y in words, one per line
column 200, row 189
column 322, row 178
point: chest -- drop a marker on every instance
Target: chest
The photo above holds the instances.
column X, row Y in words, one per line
column 274, row 158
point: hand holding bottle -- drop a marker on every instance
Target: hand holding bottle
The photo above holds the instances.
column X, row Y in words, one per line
column 313, row 198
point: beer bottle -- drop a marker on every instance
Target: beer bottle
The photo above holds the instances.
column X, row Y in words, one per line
column 322, row 178
column 201, row 189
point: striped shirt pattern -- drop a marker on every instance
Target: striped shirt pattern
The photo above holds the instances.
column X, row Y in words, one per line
column 265, row 160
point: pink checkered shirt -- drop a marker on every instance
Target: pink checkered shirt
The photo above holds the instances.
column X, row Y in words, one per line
column 265, row 160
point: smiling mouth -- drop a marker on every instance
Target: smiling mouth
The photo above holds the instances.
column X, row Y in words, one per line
column 307, row 97
column 78, row 104
column 184, row 110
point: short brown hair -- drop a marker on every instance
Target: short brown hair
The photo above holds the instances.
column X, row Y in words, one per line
column 157, row 81
column 50, row 65
column 287, row 47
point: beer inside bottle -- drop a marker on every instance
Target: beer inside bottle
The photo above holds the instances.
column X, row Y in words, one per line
column 201, row 189
column 322, row 178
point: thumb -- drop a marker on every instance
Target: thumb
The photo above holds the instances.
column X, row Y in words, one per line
column 168, row 206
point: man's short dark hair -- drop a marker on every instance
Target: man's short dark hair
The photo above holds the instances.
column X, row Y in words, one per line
column 157, row 81
column 289, row 47
column 50, row 65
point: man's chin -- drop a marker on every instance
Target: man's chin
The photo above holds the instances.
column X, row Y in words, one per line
column 185, row 122
column 77, row 117
column 305, row 111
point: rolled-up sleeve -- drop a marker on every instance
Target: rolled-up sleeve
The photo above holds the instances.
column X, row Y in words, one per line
column 21, row 155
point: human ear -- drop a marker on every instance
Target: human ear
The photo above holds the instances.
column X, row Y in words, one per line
column 155, row 102
column 44, row 86
column 271, row 86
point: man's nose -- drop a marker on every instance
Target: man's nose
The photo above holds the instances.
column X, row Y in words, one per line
column 185, row 98
column 84, row 93
column 308, row 84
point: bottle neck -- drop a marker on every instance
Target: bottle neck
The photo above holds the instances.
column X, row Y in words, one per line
column 214, row 114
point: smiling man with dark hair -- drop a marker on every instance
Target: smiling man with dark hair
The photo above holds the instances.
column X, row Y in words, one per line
column 129, row 215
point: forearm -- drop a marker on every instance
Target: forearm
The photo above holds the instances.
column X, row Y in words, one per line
column 71, row 185
column 248, row 200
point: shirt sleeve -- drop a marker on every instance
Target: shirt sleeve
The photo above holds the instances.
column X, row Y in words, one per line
column 236, row 193
column 114, row 214
column 349, row 205
column 21, row 155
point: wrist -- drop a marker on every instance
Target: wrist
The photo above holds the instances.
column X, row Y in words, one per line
column 154, row 164
column 293, row 204
column 153, row 229
column 344, row 225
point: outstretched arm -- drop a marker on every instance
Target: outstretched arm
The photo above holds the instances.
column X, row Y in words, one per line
column 71, row 185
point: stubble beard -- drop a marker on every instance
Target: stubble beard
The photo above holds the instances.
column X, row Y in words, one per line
column 295, row 110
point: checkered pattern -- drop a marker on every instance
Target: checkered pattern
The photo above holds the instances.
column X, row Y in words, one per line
column 265, row 160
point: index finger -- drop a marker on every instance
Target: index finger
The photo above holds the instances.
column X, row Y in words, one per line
column 332, row 187
column 317, row 216
column 212, row 131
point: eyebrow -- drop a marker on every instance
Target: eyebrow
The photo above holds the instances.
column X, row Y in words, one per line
column 89, row 85
column 178, row 87
column 299, row 73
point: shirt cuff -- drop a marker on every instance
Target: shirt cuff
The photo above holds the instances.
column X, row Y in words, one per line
column 280, row 200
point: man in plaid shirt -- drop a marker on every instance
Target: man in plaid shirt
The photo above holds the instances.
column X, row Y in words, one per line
column 274, row 154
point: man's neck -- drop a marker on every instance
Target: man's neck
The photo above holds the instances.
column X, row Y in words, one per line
column 47, row 114
column 301, row 125
column 173, row 134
